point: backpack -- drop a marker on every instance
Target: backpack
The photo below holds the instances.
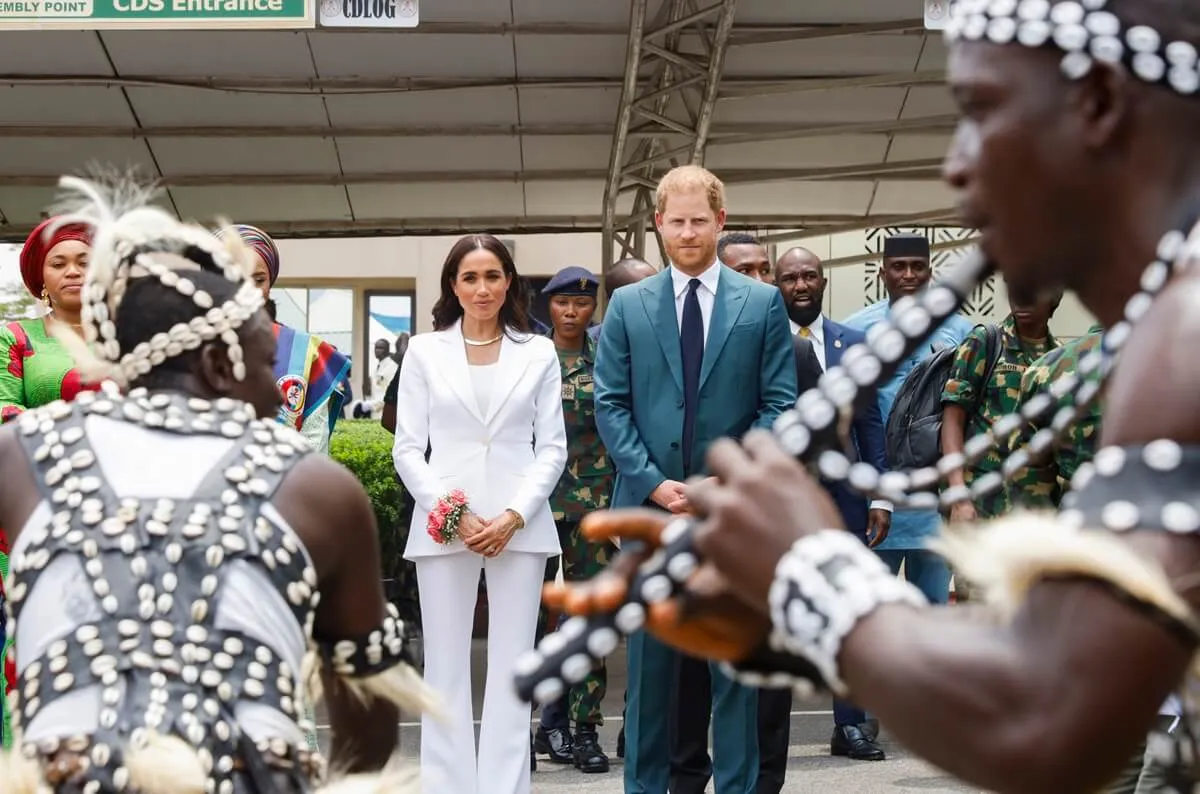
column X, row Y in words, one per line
column 913, row 436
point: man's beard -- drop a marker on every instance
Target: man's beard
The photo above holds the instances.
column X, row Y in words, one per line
column 804, row 315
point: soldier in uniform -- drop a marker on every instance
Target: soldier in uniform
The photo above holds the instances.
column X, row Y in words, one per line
column 971, row 405
column 1042, row 485
column 585, row 486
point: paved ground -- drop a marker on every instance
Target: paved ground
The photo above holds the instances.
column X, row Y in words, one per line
column 811, row 770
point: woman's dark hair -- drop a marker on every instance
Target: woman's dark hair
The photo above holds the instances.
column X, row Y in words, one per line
column 149, row 307
column 514, row 314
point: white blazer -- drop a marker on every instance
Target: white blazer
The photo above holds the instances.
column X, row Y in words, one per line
column 510, row 457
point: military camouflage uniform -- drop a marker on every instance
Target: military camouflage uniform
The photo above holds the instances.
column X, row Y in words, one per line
column 1001, row 396
column 1043, row 485
column 585, row 485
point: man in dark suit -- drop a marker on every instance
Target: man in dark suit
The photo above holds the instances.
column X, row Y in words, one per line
column 691, row 767
column 801, row 281
column 749, row 256
column 746, row 254
column 689, row 355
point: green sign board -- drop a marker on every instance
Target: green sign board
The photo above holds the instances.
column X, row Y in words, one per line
column 156, row 14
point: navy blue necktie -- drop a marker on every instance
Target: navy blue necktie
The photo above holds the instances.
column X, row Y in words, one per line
column 691, row 345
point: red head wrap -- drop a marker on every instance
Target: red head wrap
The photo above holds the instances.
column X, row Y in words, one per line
column 33, row 254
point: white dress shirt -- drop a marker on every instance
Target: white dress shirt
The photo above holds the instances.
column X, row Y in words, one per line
column 816, row 332
column 385, row 370
column 706, row 293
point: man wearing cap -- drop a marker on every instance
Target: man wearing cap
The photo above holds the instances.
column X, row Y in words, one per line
column 585, row 485
column 906, row 271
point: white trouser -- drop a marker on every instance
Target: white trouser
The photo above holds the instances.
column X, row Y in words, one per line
column 449, row 585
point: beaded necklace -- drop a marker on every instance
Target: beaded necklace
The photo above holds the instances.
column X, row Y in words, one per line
column 1086, row 33
column 810, row 432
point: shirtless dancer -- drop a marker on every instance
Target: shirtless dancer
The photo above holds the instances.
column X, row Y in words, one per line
column 180, row 566
column 1075, row 155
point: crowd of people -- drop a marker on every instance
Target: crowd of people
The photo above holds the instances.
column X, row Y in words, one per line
column 189, row 574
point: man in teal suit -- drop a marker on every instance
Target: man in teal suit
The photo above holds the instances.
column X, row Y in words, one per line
column 689, row 355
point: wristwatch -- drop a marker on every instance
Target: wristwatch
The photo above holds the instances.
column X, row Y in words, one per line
column 518, row 516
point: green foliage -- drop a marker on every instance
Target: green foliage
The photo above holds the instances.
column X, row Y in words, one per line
column 365, row 448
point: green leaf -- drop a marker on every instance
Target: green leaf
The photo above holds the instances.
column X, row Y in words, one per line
column 365, row 448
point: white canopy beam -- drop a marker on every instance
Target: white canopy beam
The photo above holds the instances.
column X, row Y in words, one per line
column 724, row 134
column 904, row 169
column 519, row 224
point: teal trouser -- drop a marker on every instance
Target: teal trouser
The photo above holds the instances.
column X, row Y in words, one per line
column 647, row 748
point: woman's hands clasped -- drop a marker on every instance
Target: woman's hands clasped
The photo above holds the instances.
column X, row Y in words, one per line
column 758, row 503
column 489, row 538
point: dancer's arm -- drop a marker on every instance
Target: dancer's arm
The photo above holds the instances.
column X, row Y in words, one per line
column 1053, row 702
column 1056, row 702
column 328, row 508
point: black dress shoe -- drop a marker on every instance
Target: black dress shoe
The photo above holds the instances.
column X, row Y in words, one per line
column 870, row 729
column 589, row 758
column 555, row 743
column 849, row 741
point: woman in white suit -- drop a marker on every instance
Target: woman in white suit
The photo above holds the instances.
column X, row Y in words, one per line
column 485, row 396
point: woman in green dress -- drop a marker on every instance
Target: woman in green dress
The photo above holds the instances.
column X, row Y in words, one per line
column 35, row 368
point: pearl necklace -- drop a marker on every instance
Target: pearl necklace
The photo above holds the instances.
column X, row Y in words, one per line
column 483, row 342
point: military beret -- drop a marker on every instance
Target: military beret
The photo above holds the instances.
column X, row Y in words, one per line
column 572, row 281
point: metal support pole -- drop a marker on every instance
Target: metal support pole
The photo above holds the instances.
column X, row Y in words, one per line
column 675, row 107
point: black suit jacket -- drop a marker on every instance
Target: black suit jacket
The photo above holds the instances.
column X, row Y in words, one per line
column 808, row 366
column 808, row 373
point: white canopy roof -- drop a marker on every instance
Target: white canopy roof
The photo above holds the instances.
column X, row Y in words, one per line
column 493, row 114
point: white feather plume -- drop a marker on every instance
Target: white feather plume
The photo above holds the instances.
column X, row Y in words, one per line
column 101, row 199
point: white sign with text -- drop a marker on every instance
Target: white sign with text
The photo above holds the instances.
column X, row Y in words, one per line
column 369, row 13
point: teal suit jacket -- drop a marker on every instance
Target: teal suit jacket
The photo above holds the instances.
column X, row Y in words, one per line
column 747, row 379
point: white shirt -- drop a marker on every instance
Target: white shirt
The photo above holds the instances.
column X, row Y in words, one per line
column 385, row 370
column 482, row 376
column 816, row 332
column 706, row 293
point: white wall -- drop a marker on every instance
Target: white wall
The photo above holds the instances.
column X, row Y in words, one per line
column 401, row 262
column 397, row 259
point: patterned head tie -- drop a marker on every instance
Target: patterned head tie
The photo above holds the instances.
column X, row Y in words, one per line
column 1085, row 31
column 260, row 243
column 132, row 239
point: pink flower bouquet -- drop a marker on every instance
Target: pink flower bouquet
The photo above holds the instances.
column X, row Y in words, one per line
column 445, row 516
